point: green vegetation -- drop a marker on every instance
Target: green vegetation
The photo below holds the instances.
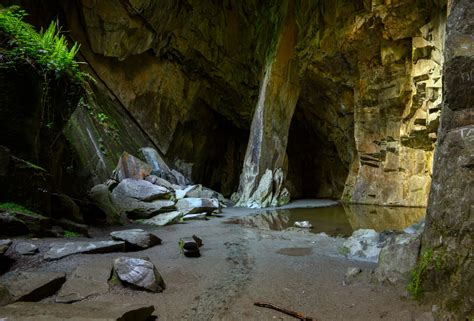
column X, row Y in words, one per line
column 414, row 287
column 18, row 208
column 343, row 250
column 46, row 49
column 71, row 234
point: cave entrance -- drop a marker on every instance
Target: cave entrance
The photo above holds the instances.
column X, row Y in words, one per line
column 321, row 140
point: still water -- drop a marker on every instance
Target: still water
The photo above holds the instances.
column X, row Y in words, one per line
column 338, row 220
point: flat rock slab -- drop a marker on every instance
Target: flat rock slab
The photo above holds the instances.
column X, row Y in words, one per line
column 163, row 219
column 60, row 250
column 87, row 311
column 33, row 286
column 25, row 248
column 141, row 190
column 139, row 273
column 85, row 281
column 4, row 245
column 137, row 237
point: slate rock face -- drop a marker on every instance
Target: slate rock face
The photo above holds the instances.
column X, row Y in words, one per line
column 32, row 286
column 449, row 222
column 93, row 310
column 136, row 237
column 139, row 273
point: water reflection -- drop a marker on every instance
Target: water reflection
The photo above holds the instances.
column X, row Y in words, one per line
column 339, row 220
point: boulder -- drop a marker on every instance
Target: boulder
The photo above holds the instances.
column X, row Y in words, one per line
column 140, row 190
column 163, row 219
column 25, row 248
column 137, row 238
column 60, row 250
column 303, row 224
column 4, row 245
column 32, row 286
column 398, row 258
column 182, row 193
column 416, row 228
column 159, row 181
column 197, row 205
column 85, row 281
column 91, row 311
column 130, row 167
column 139, row 273
column 11, row 226
column 136, row 209
column 153, row 158
column 101, row 196
column 364, row 245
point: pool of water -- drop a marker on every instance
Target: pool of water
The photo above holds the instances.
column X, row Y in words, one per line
column 338, row 220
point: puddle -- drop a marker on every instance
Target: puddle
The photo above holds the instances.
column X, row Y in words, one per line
column 295, row 251
column 339, row 220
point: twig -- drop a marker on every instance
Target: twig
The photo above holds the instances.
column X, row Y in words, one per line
column 285, row 311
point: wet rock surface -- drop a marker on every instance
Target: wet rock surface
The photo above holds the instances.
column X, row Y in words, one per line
column 136, row 238
column 60, row 250
column 139, row 273
column 94, row 311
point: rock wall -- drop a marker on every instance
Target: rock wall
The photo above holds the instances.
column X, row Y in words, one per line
column 448, row 239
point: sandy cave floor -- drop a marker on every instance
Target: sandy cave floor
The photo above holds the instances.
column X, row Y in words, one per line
column 299, row 271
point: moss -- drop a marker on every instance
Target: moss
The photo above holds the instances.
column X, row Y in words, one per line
column 19, row 208
column 71, row 234
column 414, row 286
column 343, row 250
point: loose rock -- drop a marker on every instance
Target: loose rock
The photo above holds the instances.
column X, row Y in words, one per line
column 141, row 190
column 139, row 273
column 364, row 245
column 60, row 250
column 163, row 219
column 32, row 286
column 137, row 237
column 4, row 245
column 25, row 248
column 197, row 205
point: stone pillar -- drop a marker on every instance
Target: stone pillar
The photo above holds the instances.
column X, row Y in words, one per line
column 263, row 170
column 447, row 246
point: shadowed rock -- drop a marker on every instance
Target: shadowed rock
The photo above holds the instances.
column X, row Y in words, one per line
column 32, row 286
column 139, row 273
column 91, row 311
column 25, row 248
column 60, row 250
column 197, row 205
column 4, row 245
column 131, row 167
column 136, row 237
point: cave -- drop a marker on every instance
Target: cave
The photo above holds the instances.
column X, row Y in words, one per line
column 321, row 140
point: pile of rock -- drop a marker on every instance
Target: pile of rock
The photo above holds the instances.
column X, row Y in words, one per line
column 152, row 193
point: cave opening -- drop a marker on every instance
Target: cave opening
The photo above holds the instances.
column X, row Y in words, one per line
column 321, row 143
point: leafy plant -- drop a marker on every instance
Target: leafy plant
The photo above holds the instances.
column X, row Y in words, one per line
column 47, row 48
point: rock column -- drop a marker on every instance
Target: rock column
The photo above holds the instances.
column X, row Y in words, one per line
column 447, row 246
column 263, row 170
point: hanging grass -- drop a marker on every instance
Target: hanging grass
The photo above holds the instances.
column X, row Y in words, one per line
column 47, row 49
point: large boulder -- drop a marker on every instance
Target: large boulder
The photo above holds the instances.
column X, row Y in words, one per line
column 85, row 281
column 398, row 258
column 25, row 248
column 131, row 167
column 197, row 205
column 139, row 273
column 31, row 286
column 60, row 250
column 91, row 311
column 159, row 181
column 136, row 238
column 141, row 190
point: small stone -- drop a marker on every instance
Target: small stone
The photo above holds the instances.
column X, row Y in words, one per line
column 136, row 237
column 4, row 245
column 303, row 224
column 25, row 248
column 139, row 273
